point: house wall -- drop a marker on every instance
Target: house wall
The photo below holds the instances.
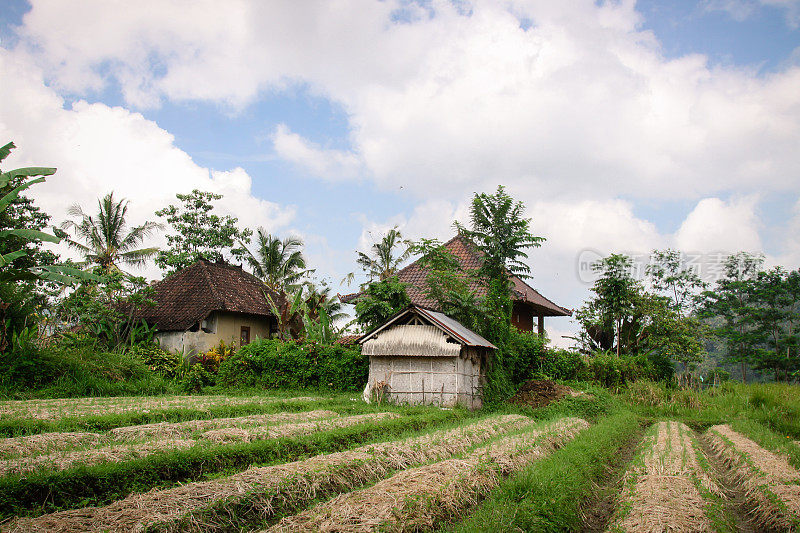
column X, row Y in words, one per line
column 522, row 317
column 229, row 326
column 416, row 380
column 223, row 326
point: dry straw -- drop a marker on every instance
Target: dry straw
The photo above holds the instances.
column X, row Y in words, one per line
column 238, row 434
column 419, row 498
column 106, row 454
column 204, row 506
column 174, row 429
column 45, row 442
column 770, row 483
column 62, row 408
column 661, row 492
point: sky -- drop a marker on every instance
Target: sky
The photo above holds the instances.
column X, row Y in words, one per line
column 623, row 126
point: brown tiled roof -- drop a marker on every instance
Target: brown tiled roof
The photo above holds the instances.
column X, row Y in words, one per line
column 190, row 295
column 470, row 258
column 347, row 340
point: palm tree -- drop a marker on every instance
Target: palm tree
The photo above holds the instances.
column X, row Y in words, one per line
column 279, row 263
column 382, row 263
column 106, row 241
column 319, row 300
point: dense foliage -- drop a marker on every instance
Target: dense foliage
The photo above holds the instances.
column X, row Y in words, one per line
column 74, row 370
column 276, row 364
column 26, row 270
column 379, row 301
column 755, row 313
column 198, row 233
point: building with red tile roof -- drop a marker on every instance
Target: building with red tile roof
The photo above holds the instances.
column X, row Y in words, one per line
column 530, row 306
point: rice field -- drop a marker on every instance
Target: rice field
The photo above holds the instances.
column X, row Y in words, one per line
column 315, row 463
column 667, row 484
column 80, row 407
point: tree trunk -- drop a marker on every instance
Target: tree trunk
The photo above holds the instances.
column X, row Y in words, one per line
column 744, row 373
column 619, row 335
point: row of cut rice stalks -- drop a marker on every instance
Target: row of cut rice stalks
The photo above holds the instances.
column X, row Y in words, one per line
column 671, row 486
column 264, row 494
column 59, row 451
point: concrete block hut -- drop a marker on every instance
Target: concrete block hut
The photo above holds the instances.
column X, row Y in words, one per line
column 423, row 357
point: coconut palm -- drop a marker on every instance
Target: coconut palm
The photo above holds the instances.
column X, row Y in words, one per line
column 319, row 300
column 279, row 263
column 382, row 262
column 105, row 238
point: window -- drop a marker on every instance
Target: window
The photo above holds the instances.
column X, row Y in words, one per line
column 244, row 337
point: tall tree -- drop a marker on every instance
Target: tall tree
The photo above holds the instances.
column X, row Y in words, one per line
column 198, row 233
column 279, row 263
column 385, row 256
column 670, row 277
column 104, row 238
column 615, row 303
column 774, row 311
column 679, row 333
column 728, row 304
column 500, row 230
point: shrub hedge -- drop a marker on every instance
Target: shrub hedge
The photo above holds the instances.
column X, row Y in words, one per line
column 274, row 364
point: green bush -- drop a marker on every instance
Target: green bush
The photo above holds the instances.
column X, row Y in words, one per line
column 160, row 361
column 70, row 371
column 25, row 365
column 197, row 378
column 523, row 355
column 275, row 364
column 647, row 393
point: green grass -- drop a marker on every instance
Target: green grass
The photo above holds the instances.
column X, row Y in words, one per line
column 548, row 495
column 775, row 405
column 716, row 511
column 72, row 372
column 45, row 492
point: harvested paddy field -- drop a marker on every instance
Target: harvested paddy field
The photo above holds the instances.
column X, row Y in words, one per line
column 163, row 438
column 83, row 407
column 259, row 492
column 771, row 485
column 667, row 487
column 338, row 464
column 421, row 497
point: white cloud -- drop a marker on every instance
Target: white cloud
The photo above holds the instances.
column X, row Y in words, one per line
column 790, row 254
column 98, row 149
column 739, row 10
column 321, row 162
column 717, row 225
column 582, row 104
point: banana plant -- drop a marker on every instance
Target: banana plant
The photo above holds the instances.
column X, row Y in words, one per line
column 63, row 274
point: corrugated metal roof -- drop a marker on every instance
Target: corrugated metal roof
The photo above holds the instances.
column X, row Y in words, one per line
column 411, row 340
column 455, row 329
